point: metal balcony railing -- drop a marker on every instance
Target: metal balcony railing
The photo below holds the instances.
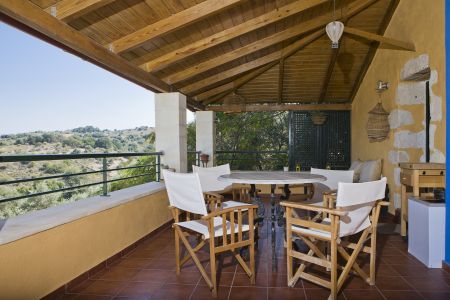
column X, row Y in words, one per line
column 155, row 167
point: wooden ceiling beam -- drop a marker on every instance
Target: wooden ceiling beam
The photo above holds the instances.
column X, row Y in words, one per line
column 237, row 108
column 379, row 38
column 69, row 10
column 167, row 25
column 264, row 43
column 228, row 34
column 230, row 87
column 373, row 49
column 274, row 56
column 41, row 24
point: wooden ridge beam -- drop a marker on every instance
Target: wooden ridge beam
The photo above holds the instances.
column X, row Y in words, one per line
column 232, row 86
column 174, row 22
column 379, row 38
column 69, row 10
column 274, row 56
column 236, row 108
column 227, row 34
column 41, row 24
column 373, row 49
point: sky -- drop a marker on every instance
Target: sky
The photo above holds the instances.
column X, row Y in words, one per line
column 44, row 88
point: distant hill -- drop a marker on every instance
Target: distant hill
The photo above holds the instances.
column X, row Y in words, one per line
column 86, row 139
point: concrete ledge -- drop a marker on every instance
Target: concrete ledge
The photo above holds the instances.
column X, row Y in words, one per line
column 34, row 222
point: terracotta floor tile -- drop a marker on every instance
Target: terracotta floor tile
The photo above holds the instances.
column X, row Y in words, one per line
column 133, row 263
column 428, row 284
column 436, row 295
column 392, row 283
column 174, row 292
column 223, row 279
column 139, row 289
column 248, row 293
column 286, row 294
column 202, row 292
column 153, row 276
column 117, row 273
column 363, row 294
column 98, row 287
column 241, row 279
column 401, row 295
column 320, row 294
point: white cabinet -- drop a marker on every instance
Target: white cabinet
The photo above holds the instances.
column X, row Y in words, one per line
column 426, row 232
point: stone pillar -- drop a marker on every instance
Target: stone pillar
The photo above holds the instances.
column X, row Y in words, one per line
column 170, row 130
column 205, row 140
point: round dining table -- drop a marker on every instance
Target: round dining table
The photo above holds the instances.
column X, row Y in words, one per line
column 272, row 178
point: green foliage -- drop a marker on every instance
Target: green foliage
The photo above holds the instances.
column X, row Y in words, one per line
column 253, row 131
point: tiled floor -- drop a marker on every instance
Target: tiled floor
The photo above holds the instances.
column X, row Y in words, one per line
column 149, row 273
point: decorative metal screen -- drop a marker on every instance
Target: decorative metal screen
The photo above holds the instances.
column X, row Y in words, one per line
column 319, row 146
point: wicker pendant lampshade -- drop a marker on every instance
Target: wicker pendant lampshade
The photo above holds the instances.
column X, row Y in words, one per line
column 378, row 123
column 318, row 118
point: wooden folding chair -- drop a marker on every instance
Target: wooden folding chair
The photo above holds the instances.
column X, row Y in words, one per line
column 357, row 210
column 210, row 184
column 222, row 229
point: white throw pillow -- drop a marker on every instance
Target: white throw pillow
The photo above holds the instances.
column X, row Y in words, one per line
column 356, row 167
column 370, row 171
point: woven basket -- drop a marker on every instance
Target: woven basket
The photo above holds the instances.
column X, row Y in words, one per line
column 378, row 124
column 318, row 118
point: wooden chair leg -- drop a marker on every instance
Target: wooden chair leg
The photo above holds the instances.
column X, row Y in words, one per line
column 373, row 255
column 212, row 261
column 177, row 253
column 333, row 256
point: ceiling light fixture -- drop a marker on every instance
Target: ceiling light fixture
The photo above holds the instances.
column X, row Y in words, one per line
column 334, row 29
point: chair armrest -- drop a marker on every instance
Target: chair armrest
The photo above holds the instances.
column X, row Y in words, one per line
column 383, row 203
column 336, row 212
column 218, row 212
column 215, row 195
column 332, row 192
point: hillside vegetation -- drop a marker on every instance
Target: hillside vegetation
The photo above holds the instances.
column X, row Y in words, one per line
column 79, row 140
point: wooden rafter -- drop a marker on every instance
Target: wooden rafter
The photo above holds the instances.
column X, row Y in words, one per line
column 228, row 88
column 277, row 107
column 280, row 80
column 291, row 32
column 373, row 49
column 228, row 34
column 274, row 56
column 42, row 24
column 69, row 10
column 176, row 21
column 382, row 39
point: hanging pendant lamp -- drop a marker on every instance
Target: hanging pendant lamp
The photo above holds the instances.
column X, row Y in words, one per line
column 334, row 29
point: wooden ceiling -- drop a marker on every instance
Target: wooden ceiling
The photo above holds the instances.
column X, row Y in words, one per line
column 225, row 55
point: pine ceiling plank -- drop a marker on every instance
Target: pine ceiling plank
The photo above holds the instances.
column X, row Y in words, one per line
column 230, row 33
column 258, row 45
column 40, row 23
column 274, row 56
column 69, row 10
column 178, row 20
column 379, row 38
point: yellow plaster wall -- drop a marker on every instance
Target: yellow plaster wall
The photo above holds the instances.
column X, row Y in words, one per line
column 32, row 267
column 420, row 22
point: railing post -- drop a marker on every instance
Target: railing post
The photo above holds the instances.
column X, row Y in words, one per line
column 105, row 177
column 198, row 158
column 158, row 165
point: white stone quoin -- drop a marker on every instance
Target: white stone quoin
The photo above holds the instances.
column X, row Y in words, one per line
column 170, row 130
column 205, row 132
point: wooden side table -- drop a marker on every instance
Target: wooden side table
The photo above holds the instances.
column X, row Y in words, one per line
column 413, row 177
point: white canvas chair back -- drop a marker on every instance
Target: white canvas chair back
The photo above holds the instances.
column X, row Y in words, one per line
column 333, row 178
column 208, row 177
column 358, row 200
column 185, row 192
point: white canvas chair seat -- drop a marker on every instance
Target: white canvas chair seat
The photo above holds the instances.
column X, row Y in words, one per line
column 356, row 211
column 201, row 227
column 231, row 203
column 225, row 224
